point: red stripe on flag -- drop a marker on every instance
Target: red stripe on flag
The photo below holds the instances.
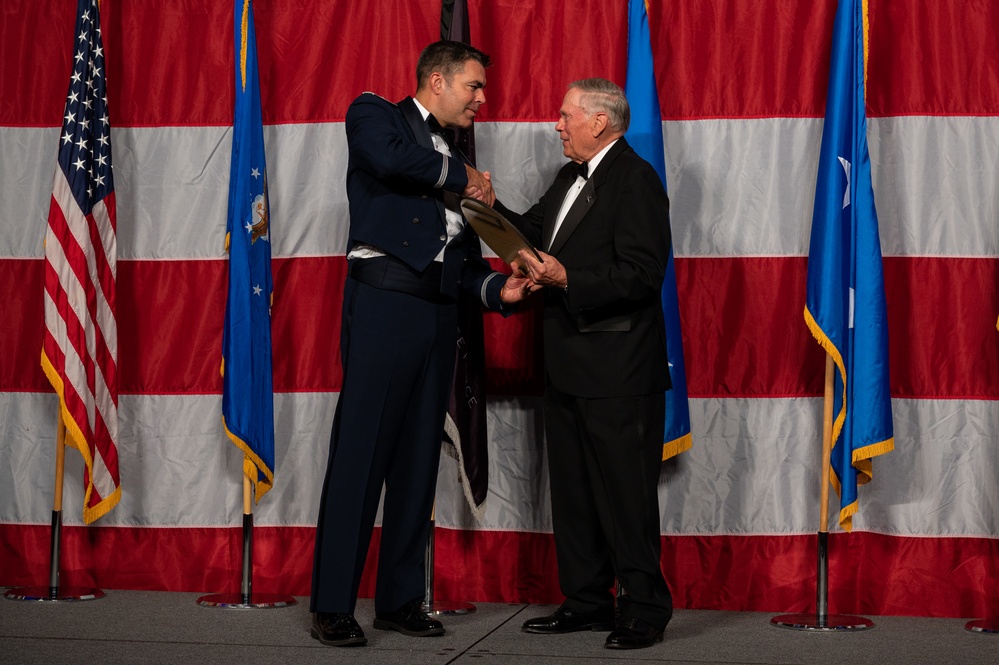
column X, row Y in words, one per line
column 170, row 326
column 941, row 327
column 305, row 326
column 539, row 46
column 717, row 58
column 303, row 49
column 901, row 576
column 743, row 331
column 744, row 334
column 34, row 61
column 929, row 57
column 745, row 59
column 22, row 326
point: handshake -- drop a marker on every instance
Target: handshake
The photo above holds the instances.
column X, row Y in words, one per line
column 480, row 186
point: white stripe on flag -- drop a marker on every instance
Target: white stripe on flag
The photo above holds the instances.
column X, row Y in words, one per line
column 934, row 197
column 171, row 444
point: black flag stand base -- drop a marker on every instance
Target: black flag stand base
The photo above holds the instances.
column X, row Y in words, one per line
column 45, row 594
column 439, row 607
column 54, row 593
column 819, row 622
column 822, row 621
column 983, row 626
column 246, row 599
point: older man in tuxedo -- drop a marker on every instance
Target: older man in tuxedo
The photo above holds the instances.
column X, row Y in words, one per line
column 604, row 231
column 409, row 253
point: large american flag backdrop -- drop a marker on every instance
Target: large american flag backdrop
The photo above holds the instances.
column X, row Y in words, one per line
column 742, row 87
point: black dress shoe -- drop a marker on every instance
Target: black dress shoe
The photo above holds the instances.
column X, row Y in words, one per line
column 410, row 619
column 564, row 620
column 338, row 630
column 633, row 633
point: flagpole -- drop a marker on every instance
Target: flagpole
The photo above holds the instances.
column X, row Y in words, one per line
column 53, row 592
column 246, row 599
column 246, row 351
column 431, row 606
column 822, row 563
column 822, row 620
column 56, row 530
column 455, row 27
column 246, row 585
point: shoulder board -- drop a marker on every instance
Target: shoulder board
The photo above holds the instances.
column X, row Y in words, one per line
column 366, row 92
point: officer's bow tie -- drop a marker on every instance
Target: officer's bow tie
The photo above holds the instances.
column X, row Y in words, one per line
column 435, row 127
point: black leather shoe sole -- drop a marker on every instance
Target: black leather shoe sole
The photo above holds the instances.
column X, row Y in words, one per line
column 382, row 624
column 597, row 627
column 346, row 642
column 635, row 645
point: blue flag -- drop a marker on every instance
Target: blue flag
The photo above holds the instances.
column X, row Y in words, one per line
column 247, row 391
column 645, row 135
column 845, row 303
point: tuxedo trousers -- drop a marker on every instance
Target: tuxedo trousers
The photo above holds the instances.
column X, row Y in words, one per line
column 604, row 460
column 397, row 353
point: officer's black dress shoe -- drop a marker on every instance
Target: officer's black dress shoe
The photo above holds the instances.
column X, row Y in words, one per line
column 633, row 633
column 410, row 619
column 338, row 630
column 564, row 620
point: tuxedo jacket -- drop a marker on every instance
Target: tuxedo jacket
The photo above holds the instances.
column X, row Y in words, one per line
column 395, row 185
column 604, row 336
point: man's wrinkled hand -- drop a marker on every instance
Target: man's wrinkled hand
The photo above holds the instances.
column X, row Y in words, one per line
column 547, row 272
column 517, row 289
column 518, row 267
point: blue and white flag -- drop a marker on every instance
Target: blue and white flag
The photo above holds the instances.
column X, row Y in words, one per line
column 845, row 303
column 247, row 390
column 645, row 135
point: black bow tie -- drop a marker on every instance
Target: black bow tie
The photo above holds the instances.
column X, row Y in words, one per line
column 435, row 127
column 581, row 170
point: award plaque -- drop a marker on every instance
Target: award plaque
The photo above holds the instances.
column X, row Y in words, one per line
column 495, row 230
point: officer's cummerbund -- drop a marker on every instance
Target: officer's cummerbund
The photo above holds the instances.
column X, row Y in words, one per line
column 391, row 274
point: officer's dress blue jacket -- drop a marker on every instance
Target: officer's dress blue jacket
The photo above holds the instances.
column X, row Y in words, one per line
column 396, row 182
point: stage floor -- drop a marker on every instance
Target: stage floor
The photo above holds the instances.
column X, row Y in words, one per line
column 158, row 627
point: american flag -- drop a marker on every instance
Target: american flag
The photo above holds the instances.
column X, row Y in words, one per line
column 80, row 349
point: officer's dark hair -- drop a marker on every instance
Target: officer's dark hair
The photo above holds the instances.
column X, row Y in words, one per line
column 448, row 58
